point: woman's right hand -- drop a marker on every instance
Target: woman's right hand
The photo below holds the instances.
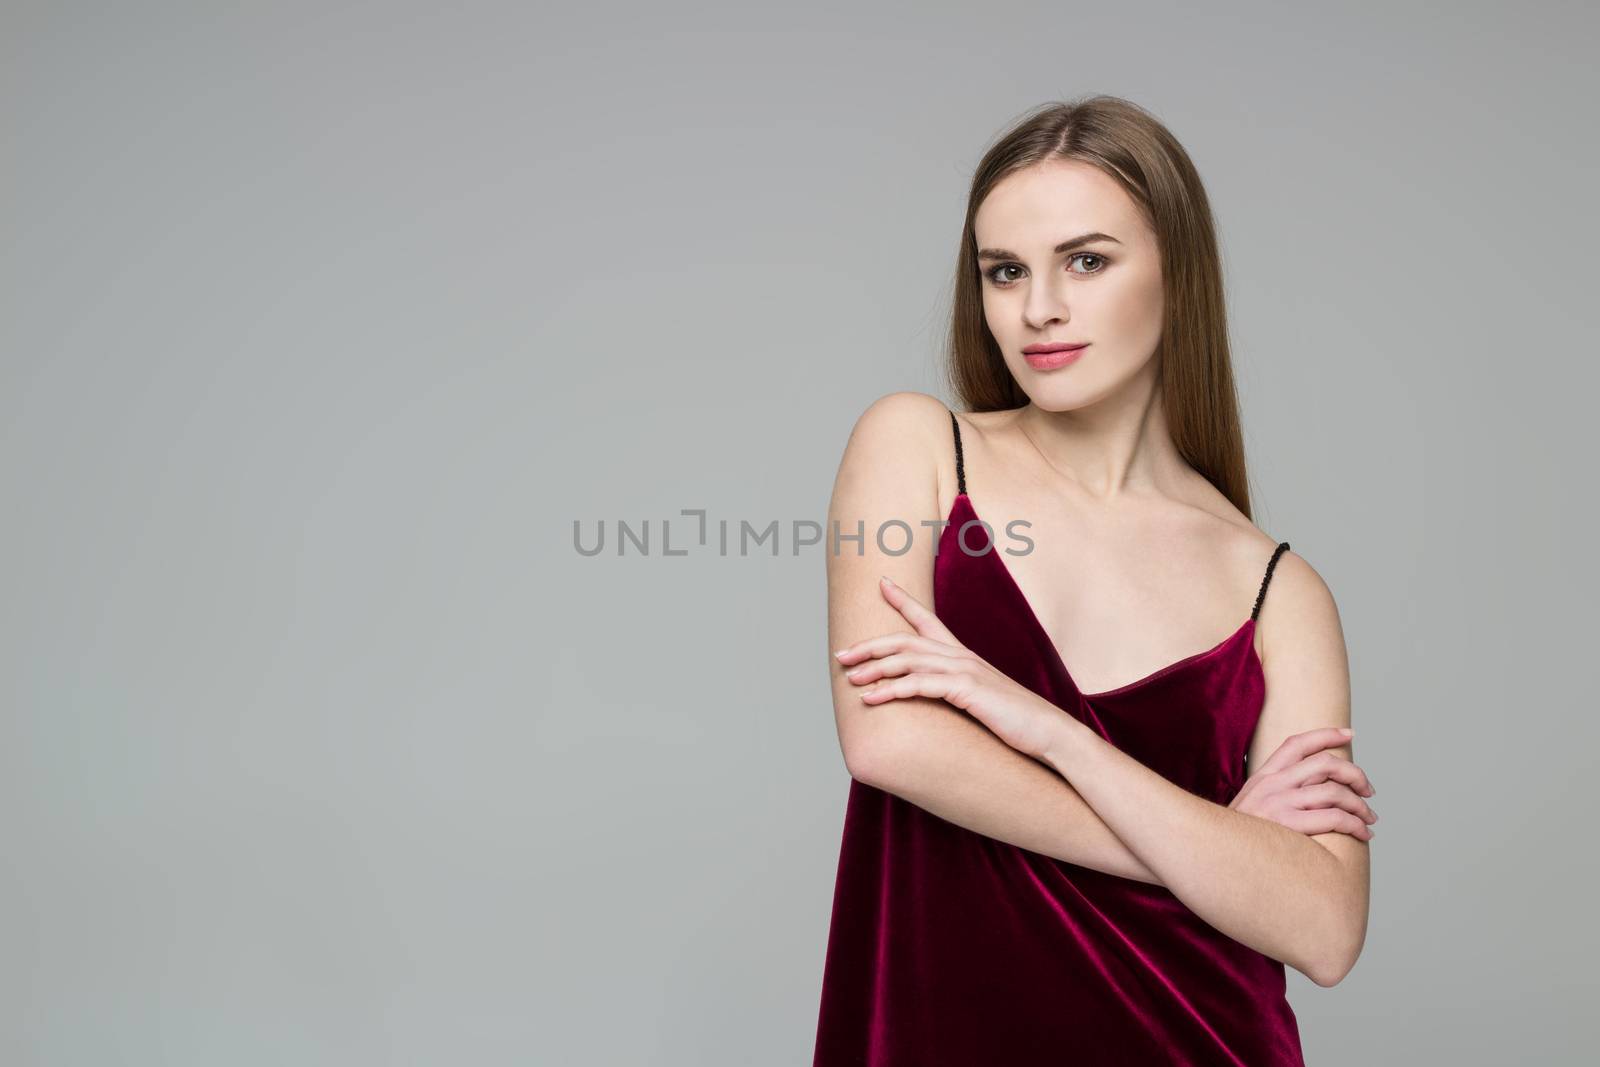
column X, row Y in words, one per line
column 1308, row 789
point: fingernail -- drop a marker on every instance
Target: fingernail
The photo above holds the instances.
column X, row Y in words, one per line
column 841, row 653
column 1347, row 731
column 886, row 578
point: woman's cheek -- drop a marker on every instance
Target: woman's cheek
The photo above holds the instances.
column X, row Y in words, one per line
column 1138, row 317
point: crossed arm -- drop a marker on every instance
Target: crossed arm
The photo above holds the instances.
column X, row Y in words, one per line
column 948, row 764
column 1297, row 898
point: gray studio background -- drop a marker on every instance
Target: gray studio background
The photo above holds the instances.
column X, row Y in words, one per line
column 322, row 323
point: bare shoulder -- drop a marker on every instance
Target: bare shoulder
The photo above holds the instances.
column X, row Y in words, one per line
column 1299, row 611
column 898, row 438
column 904, row 413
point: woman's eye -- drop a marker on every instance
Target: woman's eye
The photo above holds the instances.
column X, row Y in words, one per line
column 996, row 274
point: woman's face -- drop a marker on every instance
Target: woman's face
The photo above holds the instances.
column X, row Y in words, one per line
column 1042, row 285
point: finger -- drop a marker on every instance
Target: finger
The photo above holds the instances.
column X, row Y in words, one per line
column 1321, row 767
column 1334, row 795
column 902, row 663
column 1327, row 821
column 934, row 686
column 1298, row 746
column 1343, row 770
column 916, row 613
column 884, row 644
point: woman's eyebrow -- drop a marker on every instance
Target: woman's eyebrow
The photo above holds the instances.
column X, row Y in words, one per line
column 1065, row 246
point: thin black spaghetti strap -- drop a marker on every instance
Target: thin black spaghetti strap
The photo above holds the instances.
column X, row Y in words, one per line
column 1260, row 596
column 961, row 470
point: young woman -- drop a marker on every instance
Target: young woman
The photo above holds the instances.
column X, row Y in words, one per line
column 1070, row 837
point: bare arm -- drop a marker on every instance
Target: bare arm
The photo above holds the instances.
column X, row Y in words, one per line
column 1298, row 898
column 921, row 749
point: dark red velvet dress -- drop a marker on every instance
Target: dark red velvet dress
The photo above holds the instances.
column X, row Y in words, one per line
column 952, row 949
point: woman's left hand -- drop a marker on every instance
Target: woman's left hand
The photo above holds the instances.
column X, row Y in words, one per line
column 932, row 663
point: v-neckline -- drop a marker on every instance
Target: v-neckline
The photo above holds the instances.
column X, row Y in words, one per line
column 1032, row 618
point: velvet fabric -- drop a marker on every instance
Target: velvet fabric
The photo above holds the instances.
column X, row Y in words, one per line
column 948, row 947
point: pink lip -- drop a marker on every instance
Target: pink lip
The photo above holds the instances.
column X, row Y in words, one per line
column 1049, row 357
